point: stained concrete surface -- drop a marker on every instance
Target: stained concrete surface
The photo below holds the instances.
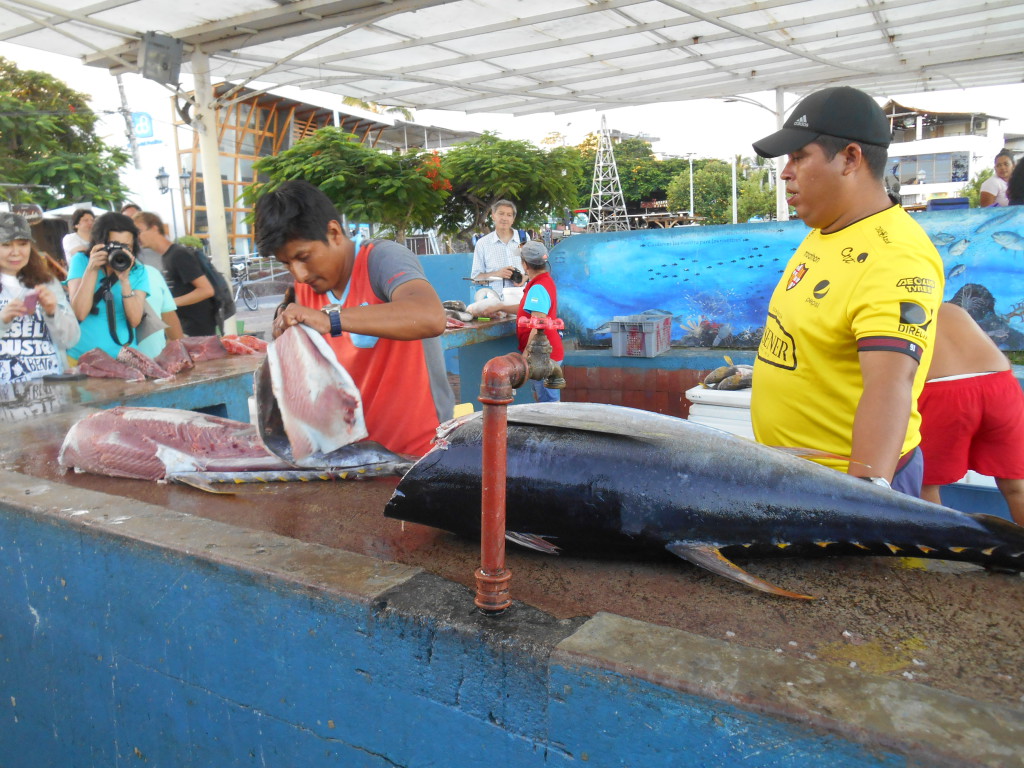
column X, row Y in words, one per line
column 951, row 626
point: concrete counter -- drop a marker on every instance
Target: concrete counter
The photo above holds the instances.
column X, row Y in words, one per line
column 294, row 624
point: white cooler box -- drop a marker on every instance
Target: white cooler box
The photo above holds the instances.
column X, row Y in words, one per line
column 727, row 410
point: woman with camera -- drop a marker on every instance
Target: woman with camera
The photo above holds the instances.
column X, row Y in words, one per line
column 108, row 287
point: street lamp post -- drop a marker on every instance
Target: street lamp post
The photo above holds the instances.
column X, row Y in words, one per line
column 163, row 180
column 781, row 206
column 690, row 158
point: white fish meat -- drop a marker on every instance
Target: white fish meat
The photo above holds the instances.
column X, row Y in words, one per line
column 320, row 406
column 152, row 443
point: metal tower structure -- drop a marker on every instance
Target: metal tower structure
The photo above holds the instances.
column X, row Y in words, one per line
column 607, row 211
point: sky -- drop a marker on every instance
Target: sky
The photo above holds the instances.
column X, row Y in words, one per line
column 706, row 127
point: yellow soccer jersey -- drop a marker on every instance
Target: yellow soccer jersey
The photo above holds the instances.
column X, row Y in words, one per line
column 874, row 285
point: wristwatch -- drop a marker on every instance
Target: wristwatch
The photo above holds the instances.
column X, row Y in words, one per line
column 333, row 312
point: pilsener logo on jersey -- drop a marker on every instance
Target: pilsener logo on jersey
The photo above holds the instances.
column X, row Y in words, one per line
column 777, row 346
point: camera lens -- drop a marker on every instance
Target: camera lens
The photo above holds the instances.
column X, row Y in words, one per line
column 517, row 275
column 118, row 258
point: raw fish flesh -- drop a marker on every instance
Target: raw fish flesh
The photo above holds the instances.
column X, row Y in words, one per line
column 319, row 405
column 140, row 361
column 99, row 364
column 174, row 358
column 152, row 443
column 236, row 347
column 202, row 348
column 252, row 342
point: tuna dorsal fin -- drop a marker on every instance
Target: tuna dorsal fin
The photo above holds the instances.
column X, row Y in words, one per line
column 709, row 557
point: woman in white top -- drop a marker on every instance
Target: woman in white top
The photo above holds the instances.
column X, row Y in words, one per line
column 36, row 321
column 993, row 189
column 78, row 239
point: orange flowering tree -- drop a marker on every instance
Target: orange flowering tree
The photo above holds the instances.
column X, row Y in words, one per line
column 401, row 192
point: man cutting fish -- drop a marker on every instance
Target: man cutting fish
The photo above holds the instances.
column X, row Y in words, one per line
column 851, row 324
column 374, row 307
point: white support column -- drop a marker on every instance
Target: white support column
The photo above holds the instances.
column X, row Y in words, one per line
column 204, row 120
column 734, row 198
column 781, row 206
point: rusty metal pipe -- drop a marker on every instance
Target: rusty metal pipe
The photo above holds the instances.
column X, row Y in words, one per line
column 500, row 377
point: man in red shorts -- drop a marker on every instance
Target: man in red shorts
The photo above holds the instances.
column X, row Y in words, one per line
column 972, row 412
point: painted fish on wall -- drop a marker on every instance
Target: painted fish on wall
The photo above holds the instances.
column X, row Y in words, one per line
column 716, row 281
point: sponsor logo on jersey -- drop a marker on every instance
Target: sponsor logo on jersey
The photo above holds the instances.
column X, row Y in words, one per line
column 796, row 276
column 821, row 289
column 882, row 234
column 914, row 320
column 811, row 257
column 849, row 257
column 777, row 346
column 917, row 284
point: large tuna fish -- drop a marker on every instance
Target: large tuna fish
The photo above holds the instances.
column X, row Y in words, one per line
column 587, row 478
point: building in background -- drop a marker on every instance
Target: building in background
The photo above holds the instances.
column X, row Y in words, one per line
column 934, row 154
column 258, row 124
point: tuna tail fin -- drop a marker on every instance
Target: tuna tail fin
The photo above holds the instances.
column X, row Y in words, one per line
column 709, row 557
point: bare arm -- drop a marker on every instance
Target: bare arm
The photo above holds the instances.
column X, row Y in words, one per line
column 202, row 289
column 173, row 330
column 81, row 289
column 414, row 312
column 986, row 199
column 883, row 413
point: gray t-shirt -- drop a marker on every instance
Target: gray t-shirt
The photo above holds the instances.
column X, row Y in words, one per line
column 391, row 265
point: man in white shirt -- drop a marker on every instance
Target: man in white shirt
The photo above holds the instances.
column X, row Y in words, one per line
column 993, row 190
column 496, row 255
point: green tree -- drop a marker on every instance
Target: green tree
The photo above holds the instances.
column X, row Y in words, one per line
column 540, row 182
column 401, row 192
column 48, row 142
column 756, row 198
column 972, row 190
column 712, row 191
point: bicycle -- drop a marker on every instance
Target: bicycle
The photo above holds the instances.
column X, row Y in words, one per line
column 240, row 280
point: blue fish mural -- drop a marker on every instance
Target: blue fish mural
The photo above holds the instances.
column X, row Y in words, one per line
column 716, row 281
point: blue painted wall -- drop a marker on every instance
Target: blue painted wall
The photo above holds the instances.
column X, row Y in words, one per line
column 716, row 281
column 118, row 652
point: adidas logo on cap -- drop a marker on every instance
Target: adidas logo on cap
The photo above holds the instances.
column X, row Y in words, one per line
column 801, row 122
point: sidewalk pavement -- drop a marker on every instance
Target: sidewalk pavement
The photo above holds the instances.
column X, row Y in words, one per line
column 256, row 322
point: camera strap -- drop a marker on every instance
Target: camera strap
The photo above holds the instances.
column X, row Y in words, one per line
column 104, row 294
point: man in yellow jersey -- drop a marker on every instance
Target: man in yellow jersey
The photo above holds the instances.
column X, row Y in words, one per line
column 850, row 327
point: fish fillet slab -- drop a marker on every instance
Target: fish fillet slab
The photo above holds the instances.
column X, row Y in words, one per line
column 150, row 443
column 320, row 405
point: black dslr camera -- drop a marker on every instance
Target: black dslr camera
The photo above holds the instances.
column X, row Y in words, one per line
column 118, row 257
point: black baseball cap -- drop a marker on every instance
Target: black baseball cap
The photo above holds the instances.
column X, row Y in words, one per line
column 843, row 112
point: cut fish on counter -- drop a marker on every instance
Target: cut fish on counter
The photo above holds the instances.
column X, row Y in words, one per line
column 243, row 345
column 140, row 361
column 587, row 478
column 174, row 358
column 202, row 348
column 311, row 399
column 99, row 364
column 152, row 443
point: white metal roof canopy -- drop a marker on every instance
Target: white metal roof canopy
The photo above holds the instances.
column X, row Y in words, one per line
column 533, row 56
column 529, row 56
